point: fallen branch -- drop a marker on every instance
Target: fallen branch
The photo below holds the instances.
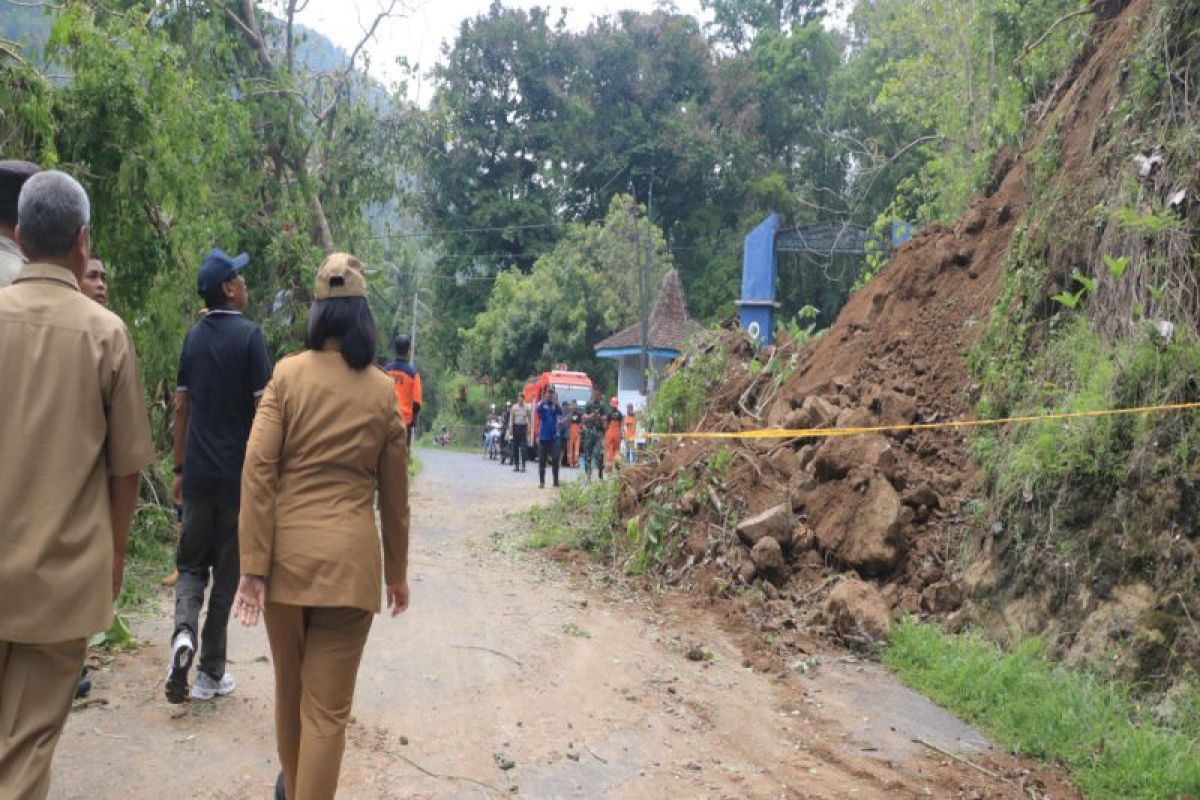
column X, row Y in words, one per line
column 99, row 732
column 593, row 752
column 440, row 777
column 957, row 757
column 487, row 650
column 89, row 702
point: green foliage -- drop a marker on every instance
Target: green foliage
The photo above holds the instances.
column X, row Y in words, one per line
column 582, row 517
column 1034, row 708
column 1080, row 372
column 1073, row 299
column 584, row 289
column 684, row 393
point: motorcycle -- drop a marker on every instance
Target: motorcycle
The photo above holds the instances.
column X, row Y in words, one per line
column 491, row 441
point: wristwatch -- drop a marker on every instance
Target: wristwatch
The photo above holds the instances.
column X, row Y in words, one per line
column 177, row 469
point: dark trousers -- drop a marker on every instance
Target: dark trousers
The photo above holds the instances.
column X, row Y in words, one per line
column 208, row 544
column 519, row 437
column 547, row 450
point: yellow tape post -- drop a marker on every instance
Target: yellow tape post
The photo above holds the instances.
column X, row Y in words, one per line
column 825, row 433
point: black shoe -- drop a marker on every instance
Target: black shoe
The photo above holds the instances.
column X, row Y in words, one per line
column 84, row 687
column 279, row 791
column 183, row 650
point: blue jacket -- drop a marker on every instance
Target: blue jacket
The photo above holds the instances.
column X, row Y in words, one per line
column 548, row 414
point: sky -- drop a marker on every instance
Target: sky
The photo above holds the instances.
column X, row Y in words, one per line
column 418, row 35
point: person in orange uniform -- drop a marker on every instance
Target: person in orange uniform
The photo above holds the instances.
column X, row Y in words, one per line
column 630, row 435
column 408, row 384
column 574, row 434
column 327, row 439
column 612, row 432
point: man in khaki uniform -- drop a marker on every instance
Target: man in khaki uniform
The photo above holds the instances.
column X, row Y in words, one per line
column 13, row 175
column 75, row 436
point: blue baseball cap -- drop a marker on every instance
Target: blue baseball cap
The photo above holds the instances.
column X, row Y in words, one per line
column 219, row 267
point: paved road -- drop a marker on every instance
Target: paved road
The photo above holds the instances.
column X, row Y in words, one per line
column 507, row 677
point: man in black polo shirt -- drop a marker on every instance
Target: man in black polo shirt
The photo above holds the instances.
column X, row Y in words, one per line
column 223, row 370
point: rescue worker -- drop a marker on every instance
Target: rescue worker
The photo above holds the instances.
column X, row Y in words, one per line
column 612, row 433
column 518, row 433
column 593, row 436
column 76, row 437
column 408, row 384
column 13, row 175
column 630, row 438
column 326, row 439
column 574, row 435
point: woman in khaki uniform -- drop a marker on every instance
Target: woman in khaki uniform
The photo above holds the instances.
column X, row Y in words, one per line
column 326, row 438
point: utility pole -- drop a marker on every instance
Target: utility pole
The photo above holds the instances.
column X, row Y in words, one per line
column 645, row 264
column 413, row 337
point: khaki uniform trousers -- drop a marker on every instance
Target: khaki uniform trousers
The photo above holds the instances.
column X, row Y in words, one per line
column 316, row 652
column 37, row 686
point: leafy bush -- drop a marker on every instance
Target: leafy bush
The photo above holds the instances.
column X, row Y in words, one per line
column 582, row 517
column 683, row 394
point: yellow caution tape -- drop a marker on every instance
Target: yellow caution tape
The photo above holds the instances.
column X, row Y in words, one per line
column 824, row 433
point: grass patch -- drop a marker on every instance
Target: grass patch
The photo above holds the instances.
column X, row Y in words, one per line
column 582, row 517
column 1032, row 707
column 149, row 556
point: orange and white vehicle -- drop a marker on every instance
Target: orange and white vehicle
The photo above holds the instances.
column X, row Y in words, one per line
column 569, row 386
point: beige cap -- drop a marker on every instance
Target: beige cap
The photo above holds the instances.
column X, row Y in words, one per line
column 340, row 276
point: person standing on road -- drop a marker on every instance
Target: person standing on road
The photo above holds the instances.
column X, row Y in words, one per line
column 612, row 433
column 630, row 438
column 593, row 435
column 223, row 370
column 327, row 440
column 549, row 412
column 504, row 425
column 13, row 175
column 408, row 385
column 518, row 433
column 75, row 438
column 574, row 435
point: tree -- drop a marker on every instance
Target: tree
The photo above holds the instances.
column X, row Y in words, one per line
column 737, row 23
column 585, row 289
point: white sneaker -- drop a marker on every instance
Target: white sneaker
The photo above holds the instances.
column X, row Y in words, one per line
column 205, row 688
column 183, row 649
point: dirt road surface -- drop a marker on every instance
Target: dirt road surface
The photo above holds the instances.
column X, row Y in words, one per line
column 508, row 677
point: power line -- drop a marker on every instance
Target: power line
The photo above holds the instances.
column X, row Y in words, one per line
column 490, row 229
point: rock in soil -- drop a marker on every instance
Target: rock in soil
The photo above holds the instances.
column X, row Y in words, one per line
column 857, row 608
column 942, row 597
column 768, row 558
column 839, row 455
column 776, row 522
column 860, row 531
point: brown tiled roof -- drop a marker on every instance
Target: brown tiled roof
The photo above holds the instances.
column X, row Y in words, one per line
column 670, row 325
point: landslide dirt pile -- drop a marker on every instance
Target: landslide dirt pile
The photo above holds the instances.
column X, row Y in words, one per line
column 838, row 535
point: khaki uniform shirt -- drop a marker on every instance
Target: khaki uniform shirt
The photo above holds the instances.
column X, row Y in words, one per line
column 325, row 439
column 11, row 261
column 74, row 416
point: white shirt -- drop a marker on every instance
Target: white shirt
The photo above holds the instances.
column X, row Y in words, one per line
column 11, row 261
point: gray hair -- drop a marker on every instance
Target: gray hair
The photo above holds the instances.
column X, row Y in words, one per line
column 51, row 210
